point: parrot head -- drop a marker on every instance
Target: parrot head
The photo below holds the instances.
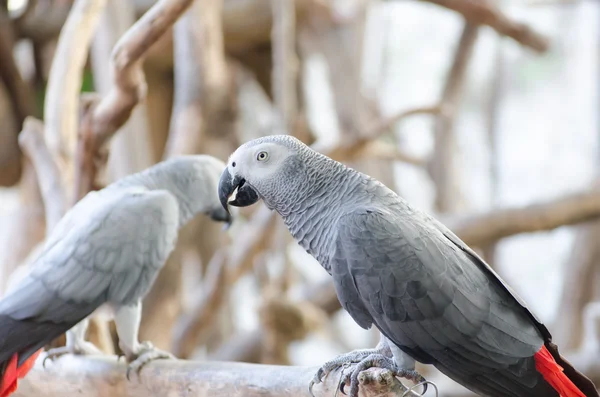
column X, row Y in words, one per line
column 266, row 168
column 195, row 179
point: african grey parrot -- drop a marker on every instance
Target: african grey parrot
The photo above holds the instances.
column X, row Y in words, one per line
column 433, row 298
column 106, row 251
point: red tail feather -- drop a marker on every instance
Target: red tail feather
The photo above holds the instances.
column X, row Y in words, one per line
column 8, row 383
column 554, row 375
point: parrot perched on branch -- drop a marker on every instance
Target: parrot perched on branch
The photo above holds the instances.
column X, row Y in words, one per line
column 394, row 267
column 106, row 251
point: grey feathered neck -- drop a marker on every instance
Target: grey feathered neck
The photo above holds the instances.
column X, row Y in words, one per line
column 310, row 193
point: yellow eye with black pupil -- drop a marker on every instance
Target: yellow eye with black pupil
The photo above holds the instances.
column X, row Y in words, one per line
column 262, row 156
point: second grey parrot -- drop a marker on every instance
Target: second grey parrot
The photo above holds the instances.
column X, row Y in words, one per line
column 106, row 251
column 395, row 267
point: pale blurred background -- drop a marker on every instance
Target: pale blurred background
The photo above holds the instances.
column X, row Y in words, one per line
column 500, row 123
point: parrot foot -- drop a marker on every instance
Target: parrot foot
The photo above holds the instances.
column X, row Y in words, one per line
column 80, row 348
column 344, row 360
column 380, row 361
column 146, row 353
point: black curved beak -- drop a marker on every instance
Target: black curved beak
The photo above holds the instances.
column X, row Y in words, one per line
column 245, row 194
column 221, row 215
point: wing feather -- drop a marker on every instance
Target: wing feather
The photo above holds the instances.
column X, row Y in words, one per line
column 108, row 248
column 434, row 298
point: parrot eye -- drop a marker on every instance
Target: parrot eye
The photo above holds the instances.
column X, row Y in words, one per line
column 262, row 156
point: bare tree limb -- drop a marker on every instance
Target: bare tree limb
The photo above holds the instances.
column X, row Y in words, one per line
column 477, row 230
column 103, row 376
column 485, row 12
column 130, row 149
column 64, row 82
column 20, row 92
column 365, row 144
column 33, row 144
column 21, row 98
column 106, row 115
column 580, row 269
column 190, row 330
column 443, row 167
column 285, row 62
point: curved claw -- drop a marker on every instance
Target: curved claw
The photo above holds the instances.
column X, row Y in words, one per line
column 310, row 386
column 44, row 361
column 416, row 377
column 128, row 373
column 342, row 387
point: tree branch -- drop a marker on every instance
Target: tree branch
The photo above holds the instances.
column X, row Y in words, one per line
column 105, row 116
column 64, row 82
column 20, row 92
column 478, row 230
column 103, row 376
column 485, row 12
column 190, row 330
column 285, row 62
column 365, row 144
column 580, row 270
column 443, row 167
column 22, row 105
column 50, row 180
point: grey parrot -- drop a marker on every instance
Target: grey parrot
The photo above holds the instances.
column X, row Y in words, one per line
column 105, row 252
column 394, row 267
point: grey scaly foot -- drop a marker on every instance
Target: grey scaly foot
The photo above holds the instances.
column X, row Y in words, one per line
column 346, row 359
column 81, row 348
column 350, row 377
column 76, row 344
column 146, row 353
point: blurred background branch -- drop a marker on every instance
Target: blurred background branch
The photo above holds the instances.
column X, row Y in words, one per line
column 457, row 105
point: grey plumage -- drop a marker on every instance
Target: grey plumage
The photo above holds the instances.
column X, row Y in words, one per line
column 399, row 269
column 108, row 249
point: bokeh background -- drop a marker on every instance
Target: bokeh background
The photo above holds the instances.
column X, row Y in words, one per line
column 484, row 113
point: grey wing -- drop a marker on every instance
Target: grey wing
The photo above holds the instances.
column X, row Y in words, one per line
column 111, row 250
column 432, row 299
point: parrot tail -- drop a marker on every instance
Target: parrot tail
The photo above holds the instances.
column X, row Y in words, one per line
column 11, row 373
column 552, row 372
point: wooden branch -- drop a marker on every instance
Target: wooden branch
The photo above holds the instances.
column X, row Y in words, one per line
column 190, row 330
column 580, row 270
column 202, row 82
column 104, row 376
column 285, row 62
column 443, row 168
column 364, row 145
column 20, row 92
column 585, row 358
column 477, row 230
column 21, row 98
column 106, row 115
column 50, row 180
column 485, row 12
column 247, row 347
column 130, row 150
column 251, row 240
column 376, row 150
column 246, row 24
column 64, row 82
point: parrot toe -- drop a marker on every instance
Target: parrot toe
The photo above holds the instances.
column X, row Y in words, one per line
column 380, row 361
column 146, row 354
column 345, row 360
column 81, row 348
